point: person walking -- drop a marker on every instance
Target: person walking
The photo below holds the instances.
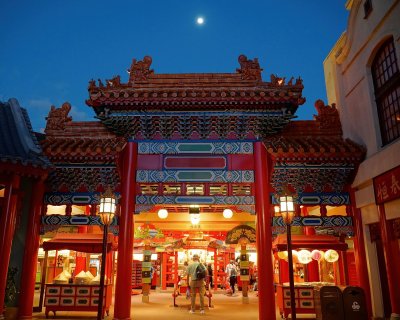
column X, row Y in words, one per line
column 210, row 275
column 231, row 272
column 196, row 283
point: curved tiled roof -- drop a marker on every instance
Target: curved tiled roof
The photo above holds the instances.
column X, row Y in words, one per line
column 81, row 141
column 195, row 91
column 18, row 143
column 294, row 144
column 315, row 140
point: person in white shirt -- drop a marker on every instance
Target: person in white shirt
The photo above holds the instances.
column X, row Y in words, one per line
column 231, row 273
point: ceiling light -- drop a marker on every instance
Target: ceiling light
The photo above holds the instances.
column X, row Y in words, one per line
column 163, row 213
column 195, row 219
column 227, row 213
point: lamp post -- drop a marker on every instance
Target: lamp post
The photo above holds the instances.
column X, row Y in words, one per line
column 287, row 212
column 106, row 213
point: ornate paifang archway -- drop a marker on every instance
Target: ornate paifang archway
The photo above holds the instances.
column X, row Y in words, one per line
column 230, row 132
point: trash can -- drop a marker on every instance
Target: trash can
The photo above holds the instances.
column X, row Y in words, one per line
column 328, row 302
column 355, row 307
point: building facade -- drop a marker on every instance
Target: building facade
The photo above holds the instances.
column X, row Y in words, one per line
column 363, row 79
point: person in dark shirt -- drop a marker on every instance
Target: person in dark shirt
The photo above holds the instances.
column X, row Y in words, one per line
column 195, row 284
column 210, row 275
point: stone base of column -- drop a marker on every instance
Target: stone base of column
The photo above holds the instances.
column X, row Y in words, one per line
column 146, row 299
column 245, row 300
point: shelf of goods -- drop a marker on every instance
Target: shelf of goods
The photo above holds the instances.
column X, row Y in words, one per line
column 74, row 297
column 136, row 274
column 77, row 297
column 220, row 263
column 170, row 269
column 304, row 299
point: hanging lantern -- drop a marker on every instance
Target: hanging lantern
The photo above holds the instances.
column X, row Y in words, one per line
column 331, row 255
column 317, row 255
column 195, row 219
column 304, row 256
column 295, row 256
column 282, row 255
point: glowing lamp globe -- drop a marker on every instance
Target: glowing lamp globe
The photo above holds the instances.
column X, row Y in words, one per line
column 331, row 255
column 282, row 255
column 227, row 213
column 304, row 256
column 195, row 219
column 317, row 255
column 107, row 206
column 162, row 213
column 295, row 256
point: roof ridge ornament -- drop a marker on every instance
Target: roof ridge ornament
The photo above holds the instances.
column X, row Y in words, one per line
column 249, row 69
column 328, row 116
column 58, row 117
column 140, row 70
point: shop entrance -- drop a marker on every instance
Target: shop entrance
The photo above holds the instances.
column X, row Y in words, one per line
column 174, row 240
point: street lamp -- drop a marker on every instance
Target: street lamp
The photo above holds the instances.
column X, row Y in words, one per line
column 106, row 213
column 287, row 212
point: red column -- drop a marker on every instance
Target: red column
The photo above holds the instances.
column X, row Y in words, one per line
column 164, row 271
column 359, row 250
column 80, row 257
column 392, row 260
column 123, row 286
column 30, row 254
column 7, row 226
column 266, row 293
column 313, row 266
column 283, row 271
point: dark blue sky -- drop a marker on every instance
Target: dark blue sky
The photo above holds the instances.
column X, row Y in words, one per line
column 49, row 50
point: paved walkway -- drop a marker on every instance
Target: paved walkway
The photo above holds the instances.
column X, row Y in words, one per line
column 161, row 307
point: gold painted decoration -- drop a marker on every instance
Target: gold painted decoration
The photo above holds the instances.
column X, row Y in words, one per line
column 241, row 234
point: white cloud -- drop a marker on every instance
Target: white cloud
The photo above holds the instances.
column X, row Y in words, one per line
column 44, row 104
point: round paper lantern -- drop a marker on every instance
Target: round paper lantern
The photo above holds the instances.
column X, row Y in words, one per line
column 304, row 256
column 317, row 255
column 295, row 256
column 282, row 254
column 331, row 255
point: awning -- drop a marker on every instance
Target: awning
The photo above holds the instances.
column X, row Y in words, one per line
column 320, row 242
column 82, row 242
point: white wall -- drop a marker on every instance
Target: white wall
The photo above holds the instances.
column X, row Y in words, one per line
column 349, row 85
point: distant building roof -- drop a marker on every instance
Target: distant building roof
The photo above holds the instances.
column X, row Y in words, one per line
column 18, row 143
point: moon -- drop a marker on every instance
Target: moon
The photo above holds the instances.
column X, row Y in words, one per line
column 200, row 20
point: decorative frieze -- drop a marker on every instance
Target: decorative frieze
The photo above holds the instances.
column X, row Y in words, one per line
column 325, row 198
column 177, row 147
column 222, row 200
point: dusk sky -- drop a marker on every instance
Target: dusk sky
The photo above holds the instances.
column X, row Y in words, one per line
column 51, row 49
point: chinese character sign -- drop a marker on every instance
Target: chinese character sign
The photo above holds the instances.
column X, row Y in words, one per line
column 387, row 186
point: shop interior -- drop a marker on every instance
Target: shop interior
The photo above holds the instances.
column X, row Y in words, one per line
column 165, row 241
